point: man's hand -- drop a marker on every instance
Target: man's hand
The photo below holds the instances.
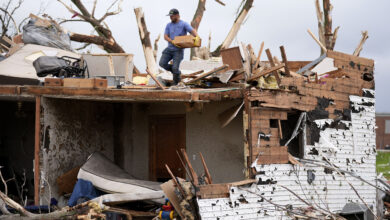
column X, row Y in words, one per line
column 173, row 42
column 197, row 41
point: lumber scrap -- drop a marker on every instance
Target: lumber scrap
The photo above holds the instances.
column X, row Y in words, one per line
column 206, row 169
column 155, row 80
column 359, row 48
column 271, row 61
column 265, row 72
column 316, row 40
column 204, row 75
column 192, row 171
column 258, row 57
column 284, row 58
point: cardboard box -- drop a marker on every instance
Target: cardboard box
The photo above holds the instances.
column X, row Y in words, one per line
column 85, row 83
column 187, row 41
column 54, row 82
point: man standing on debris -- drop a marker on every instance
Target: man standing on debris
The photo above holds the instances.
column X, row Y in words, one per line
column 173, row 52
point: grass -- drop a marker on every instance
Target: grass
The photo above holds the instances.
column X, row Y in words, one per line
column 383, row 164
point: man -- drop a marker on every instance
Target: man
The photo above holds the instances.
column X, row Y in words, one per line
column 173, row 52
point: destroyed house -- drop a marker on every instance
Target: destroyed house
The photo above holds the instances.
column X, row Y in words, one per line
column 273, row 149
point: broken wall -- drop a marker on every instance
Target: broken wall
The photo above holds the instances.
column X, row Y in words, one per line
column 338, row 134
column 221, row 147
column 70, row 131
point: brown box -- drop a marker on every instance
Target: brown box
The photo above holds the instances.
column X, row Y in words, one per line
column 187, row 41
column 85, row 83
column 54, row 82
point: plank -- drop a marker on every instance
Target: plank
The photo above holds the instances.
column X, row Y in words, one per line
column 204, row 75
column 232, row 57
column 155, row 80
column 259, row 56
column 271, row 61
column 206, row 170
column 54, row 82
column 284, row 58
column 37, row 145
column 192, row 171
column 213, row 191
column 265, row 72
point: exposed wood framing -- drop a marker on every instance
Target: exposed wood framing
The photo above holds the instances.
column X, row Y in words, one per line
column 37, row 145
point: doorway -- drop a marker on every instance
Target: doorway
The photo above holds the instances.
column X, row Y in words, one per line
column 167, row 134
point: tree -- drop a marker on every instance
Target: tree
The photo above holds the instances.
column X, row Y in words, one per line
column 246, row 6
column 8, row 24
column 104, row 36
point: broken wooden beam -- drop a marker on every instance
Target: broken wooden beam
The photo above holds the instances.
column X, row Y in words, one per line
column 206, row 170
column 271, row 61
column 182, row 192
column 193, row 173
column 155, row 79
column 359, row 48
column 284, row 58
column 265, row 72
column 204, row 75
column 316, row 40
column 258, row 57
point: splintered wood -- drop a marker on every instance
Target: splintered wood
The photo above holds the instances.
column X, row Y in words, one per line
column 268, row 109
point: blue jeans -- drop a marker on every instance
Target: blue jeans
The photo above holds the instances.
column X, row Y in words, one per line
column 177, row 56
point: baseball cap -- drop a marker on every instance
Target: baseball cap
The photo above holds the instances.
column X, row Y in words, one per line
column 173, row 11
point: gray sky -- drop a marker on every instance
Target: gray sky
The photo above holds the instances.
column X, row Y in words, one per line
column 276, row 22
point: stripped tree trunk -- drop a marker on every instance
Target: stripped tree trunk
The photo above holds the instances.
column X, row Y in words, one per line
column 235, row 28
column 325, row 34
column 359, row 48
column 156, row 47
column 328, row 24
column 145, row 40
column 197, row 19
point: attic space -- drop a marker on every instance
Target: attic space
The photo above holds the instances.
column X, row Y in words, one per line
column 17, row 120
column 141, row 137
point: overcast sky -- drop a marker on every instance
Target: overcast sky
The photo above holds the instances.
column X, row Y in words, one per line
column 276, row 22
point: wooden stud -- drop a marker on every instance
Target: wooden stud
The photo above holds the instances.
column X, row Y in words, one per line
column 271, row 61
column 111, row 65
column 184, row 165
column 284, row 58
column 37, row 149
column 265, row 72
column 280, row 129
column 259, row 55
column 175, row 181
column 156, row 80
column 204, row 75
column 316, row 40
column 193, row 174
column 206, row 170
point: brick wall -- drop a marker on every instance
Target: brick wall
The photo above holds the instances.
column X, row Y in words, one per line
column 351, row 149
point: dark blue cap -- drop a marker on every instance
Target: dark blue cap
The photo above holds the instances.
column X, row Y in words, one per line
column 173, row 11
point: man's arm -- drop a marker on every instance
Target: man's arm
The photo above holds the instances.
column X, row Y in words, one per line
column 166, row 37
column 194, row 33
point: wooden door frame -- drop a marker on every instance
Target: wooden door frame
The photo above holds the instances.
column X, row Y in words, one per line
column 152, row 151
